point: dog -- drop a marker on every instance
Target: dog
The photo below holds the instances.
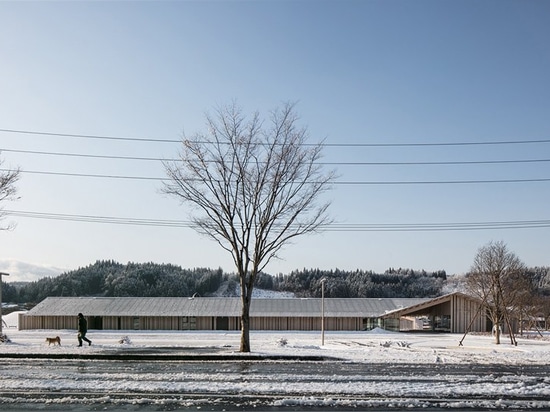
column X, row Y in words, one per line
column 55, row 340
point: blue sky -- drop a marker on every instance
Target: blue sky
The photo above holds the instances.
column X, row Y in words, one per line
column 362, row 72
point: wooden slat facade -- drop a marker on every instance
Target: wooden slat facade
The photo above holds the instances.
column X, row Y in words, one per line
column 191, row 323
column 450, row 313
column 453, row 313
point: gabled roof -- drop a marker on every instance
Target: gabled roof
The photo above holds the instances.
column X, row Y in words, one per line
column 198, row 306
column 418, row 308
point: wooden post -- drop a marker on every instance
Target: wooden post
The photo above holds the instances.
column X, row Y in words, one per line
column 1, row 274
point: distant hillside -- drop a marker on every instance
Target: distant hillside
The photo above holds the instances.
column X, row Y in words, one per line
column 231, row 289
column 110, row 278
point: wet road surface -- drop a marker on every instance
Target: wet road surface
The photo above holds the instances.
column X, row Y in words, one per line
column 149, row 385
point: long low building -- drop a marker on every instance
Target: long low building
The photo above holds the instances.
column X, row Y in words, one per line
column 451, row 313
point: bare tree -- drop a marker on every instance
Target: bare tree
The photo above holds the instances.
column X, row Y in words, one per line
column 545, row 311
column 8, row 191
column 498, row 278
column 254, row 188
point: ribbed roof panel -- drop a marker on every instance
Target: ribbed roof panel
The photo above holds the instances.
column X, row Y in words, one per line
column 183, row 306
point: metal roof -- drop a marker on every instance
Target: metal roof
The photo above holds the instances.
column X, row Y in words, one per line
column 219, row 306
column 418, row 308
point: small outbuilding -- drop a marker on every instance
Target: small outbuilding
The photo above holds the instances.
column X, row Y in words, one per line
column 448, row 313
column 455, row 313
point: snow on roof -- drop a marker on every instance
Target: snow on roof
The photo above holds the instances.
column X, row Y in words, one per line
column 218, row 306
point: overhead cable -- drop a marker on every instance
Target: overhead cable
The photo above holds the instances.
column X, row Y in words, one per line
column 420, row 163
column 162, row 140
column 345, row 183
column 331, row 227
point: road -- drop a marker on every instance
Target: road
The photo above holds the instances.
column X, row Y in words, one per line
column 148, row 385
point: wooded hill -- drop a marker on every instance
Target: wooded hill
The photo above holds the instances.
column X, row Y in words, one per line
column 109, row 278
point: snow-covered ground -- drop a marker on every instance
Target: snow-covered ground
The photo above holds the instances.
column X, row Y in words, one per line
column 373, row 346
column 362, row 348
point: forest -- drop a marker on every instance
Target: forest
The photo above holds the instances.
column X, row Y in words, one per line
column 110, row 278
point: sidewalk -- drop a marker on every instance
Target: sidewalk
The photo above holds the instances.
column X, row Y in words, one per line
column 167, row 354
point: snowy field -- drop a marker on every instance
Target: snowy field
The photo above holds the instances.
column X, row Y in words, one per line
column 376, row 346
column 349, row 354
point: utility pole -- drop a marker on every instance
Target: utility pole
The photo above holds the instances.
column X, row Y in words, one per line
column 1, row 274
column 323, row 311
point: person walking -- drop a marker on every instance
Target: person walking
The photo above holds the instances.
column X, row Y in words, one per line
column 82, row 330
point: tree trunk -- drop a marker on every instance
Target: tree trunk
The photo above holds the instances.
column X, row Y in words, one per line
column 513, row 340
column 245, row 325
column 496, row 330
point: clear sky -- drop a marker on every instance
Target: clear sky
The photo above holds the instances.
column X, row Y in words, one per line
column 370, row 73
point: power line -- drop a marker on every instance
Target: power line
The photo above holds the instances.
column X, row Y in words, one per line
column 413, row 144
column 421, row 163
column 66, row 174
column 423, row 227
column 437, row 163
column 85, row 155
column 346, row 183
column 333, row 227
column 99, row 219
column 443, row 182
column 88, row 136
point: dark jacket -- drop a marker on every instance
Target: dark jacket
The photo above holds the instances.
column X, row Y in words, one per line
column 82, row 325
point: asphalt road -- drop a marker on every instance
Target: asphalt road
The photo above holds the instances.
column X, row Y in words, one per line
column 260, row 385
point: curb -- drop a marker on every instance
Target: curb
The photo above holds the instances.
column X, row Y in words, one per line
column 162, row 357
